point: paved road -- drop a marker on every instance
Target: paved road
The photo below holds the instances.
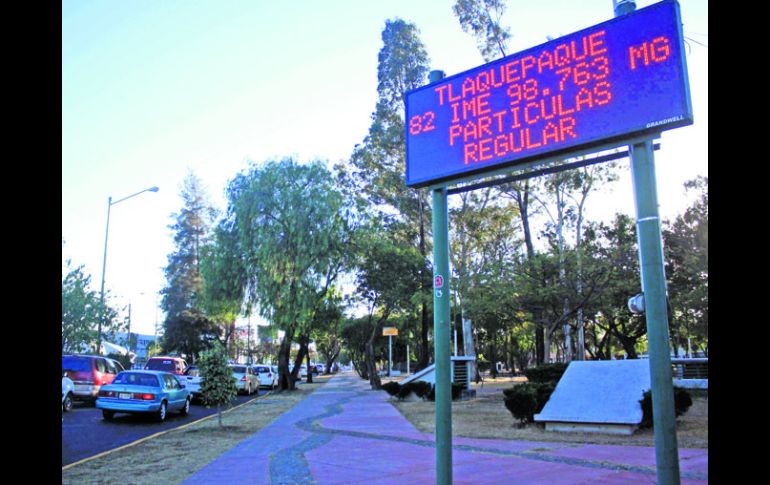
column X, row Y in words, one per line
column 344, row 433
column 85, row 433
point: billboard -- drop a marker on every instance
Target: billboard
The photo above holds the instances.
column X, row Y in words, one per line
column 617, row 80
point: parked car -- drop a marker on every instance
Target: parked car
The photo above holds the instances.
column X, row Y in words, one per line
column 267, row 377
column 191, row 378
column 67, row 388
column 245, row 379
column 89, row 373
column 144, row 392
column 320, row 368
column 173, row 365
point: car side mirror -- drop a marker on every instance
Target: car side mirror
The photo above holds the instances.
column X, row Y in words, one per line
column 182, row 385
column 64, row 374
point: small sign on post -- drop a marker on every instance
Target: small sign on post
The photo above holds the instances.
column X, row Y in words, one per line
column 388, row 331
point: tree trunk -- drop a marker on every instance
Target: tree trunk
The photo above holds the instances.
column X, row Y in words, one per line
column 371, row 367
column 285, row 380
column 424, row 349
column 309, row 371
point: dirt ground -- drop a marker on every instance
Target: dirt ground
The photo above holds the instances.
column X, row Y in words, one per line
column 485, row 416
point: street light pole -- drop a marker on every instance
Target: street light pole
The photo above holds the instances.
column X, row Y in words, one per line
column 110, row 203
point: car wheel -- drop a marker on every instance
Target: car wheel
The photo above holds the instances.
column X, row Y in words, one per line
column 107, row 414
column 67, row 404
column 186, row 408
column 161, row 416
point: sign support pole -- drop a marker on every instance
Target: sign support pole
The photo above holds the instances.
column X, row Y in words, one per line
column 390, row 353
column 441, row 338
column 441, row 323
column 656, row 311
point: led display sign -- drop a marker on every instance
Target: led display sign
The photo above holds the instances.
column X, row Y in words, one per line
column 620, row 79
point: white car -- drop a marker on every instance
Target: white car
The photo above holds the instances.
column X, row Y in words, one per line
column 191, row 378
column 245, row 379
column 267, row 377
column 67, row 390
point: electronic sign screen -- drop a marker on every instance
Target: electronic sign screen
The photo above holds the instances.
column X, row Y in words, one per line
column 622, row 78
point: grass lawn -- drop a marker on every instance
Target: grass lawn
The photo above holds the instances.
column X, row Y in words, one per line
column 486, row 417
column 176, row 455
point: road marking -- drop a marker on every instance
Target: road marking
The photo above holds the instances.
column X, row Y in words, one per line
column 160, row 433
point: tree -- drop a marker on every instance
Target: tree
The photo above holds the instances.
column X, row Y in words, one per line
column 686, row 249
column 387, row 280
column 613, row 248
column 378, row 163
column 81, row 309
column 481, row 18
column 326, row 330
column 187, row 328
column 218, row 385
column 223, row 292
column 292, row 226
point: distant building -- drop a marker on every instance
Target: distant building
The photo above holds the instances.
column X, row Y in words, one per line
column 139, row 347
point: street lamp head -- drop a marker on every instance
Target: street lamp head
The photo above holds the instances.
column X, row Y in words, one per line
column 153, row 189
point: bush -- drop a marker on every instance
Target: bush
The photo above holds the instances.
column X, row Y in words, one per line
column 682, row 402
column 420, row 388
column 457, row 390
column 391, row 388
column 526, row 400
column 403, row 392
column 521, row 401
column 546, row 372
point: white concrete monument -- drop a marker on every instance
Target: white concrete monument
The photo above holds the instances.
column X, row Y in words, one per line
column 600, row 396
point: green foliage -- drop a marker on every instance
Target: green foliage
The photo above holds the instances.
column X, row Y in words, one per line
column 403, row 392
column 124, row 360
column 187, row 329
column 81, row 310
column 456, row 391
column 686, row 249
column 292, row 225
column 521, row 401
column 481, row 18
column 189, row 332
column 420, row 388
column 391, row 388
column 527, row 399
column 218, row 385
column 682, row 402
column 546, row 372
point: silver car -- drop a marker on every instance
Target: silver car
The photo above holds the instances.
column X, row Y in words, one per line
column 245, row 378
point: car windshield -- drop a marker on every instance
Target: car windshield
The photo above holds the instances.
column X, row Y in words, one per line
column 192, row 371
column 77, row 364
column 239, row 369
column 136, row 379
column 261, row 369
column 160, row 364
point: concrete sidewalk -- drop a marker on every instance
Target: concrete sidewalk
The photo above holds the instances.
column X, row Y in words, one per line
column 345, row 433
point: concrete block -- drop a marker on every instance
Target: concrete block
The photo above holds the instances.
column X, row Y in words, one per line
column 598, row 392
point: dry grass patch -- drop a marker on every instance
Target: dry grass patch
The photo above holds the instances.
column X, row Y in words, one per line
column 486, row 417
column 176, row 455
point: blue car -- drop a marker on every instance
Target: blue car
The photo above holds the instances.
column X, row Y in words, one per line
column 143, row 392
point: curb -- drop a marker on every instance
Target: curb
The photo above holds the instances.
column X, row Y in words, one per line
column 160, row 433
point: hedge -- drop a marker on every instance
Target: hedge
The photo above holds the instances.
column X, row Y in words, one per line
column 546, row 372
column 682, row 402
column 423, row 390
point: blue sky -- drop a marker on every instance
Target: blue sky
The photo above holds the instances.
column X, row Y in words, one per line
column 152, row 89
